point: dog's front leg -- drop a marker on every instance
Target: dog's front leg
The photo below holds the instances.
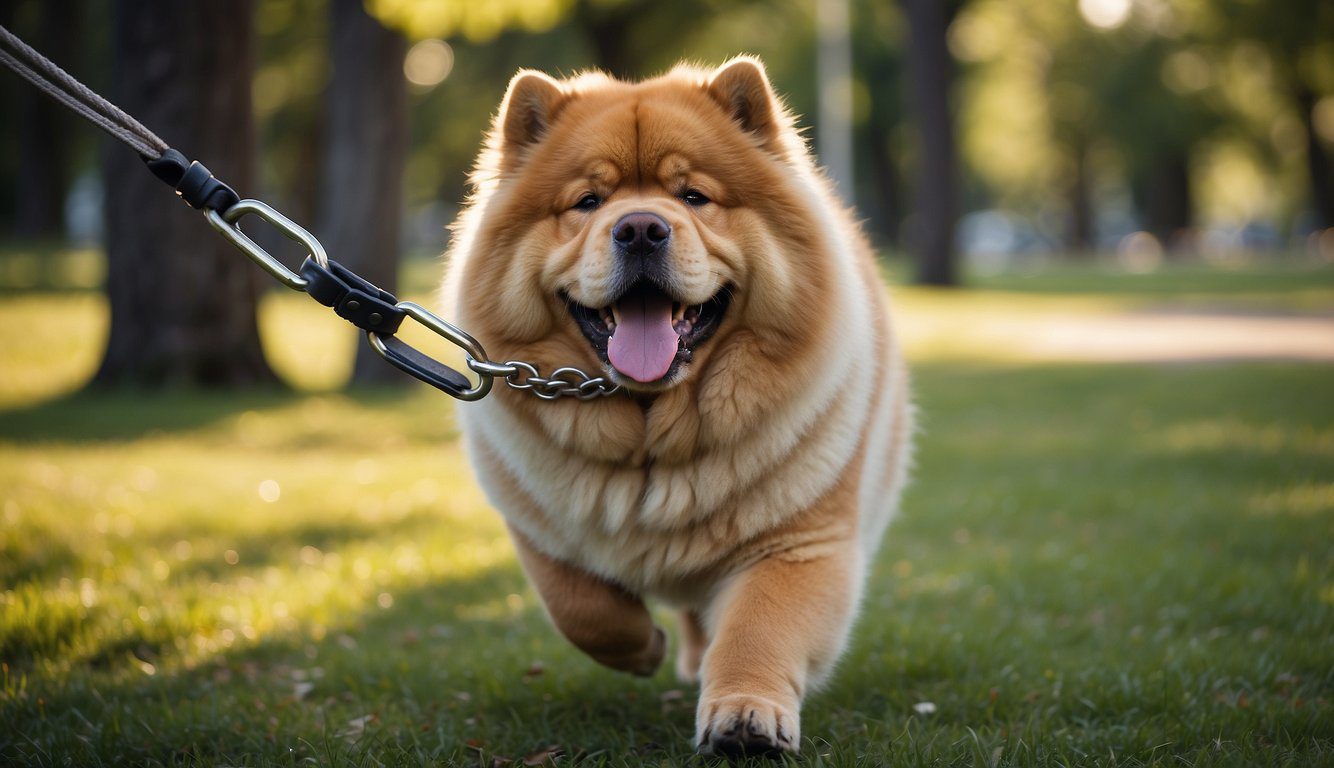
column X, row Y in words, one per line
column 777, row 629
column 601, row 618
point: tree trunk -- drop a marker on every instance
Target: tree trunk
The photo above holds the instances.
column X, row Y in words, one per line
column 885, row 176
column 609, row 31
column 1317, row 163
column 182, row 298
column 1079, row 241
column 44, row 162
column 1167, row 200
column 365, row 148
column 930, row 69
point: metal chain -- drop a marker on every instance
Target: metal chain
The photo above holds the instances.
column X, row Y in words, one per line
column 563, row 382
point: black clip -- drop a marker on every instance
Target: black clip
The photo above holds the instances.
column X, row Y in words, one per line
column 354, row 298
column 414, row 363
column 193, row 182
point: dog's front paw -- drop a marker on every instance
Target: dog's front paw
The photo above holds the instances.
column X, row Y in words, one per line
column 740, row 725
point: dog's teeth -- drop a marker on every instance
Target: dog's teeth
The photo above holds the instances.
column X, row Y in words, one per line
column 607, row 319
column 615, row 316
column 678, row 311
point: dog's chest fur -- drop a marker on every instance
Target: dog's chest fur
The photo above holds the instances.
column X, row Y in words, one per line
column 672, row 529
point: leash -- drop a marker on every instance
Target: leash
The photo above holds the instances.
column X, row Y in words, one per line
column 377, row 312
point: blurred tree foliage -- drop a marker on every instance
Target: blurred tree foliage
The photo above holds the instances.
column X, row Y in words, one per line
column 1294, row 46
column 1087, row 118
column 1176, row 103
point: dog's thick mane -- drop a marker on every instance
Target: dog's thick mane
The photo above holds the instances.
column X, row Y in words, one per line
column 643, row 486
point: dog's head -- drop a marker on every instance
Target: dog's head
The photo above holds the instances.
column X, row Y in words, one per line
column 645, row 224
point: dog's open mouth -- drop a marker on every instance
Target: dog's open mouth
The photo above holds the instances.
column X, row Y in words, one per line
column 645, row 334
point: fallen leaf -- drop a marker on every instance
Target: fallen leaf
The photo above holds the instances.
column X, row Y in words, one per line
column 356, row 727
column 672, row 695
column 541, row 756
column 534, row 670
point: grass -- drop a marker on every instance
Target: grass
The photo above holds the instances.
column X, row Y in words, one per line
column 1096, row 565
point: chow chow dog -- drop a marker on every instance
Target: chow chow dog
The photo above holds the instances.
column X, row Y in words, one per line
column 675, row 235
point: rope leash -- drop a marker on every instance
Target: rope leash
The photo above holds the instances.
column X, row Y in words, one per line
column 376, row 311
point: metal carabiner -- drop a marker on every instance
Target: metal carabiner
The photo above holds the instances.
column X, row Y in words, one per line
column 413, row 362
column 225, row 223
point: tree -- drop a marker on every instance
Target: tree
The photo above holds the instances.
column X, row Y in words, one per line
column 44, row 139
column 937, row 191
column 365, row 148
column 623, row 34
column 182, row 299
column 1298, row 39
column 877, row 40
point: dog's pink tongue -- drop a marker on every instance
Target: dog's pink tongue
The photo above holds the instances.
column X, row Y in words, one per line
column 644, row 342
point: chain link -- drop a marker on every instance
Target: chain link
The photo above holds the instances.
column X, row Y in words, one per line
column 563, row 382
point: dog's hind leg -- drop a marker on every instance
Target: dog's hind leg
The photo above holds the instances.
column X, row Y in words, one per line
column 602, row 619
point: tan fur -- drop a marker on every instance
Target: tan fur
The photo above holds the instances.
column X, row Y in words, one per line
column 751, row 489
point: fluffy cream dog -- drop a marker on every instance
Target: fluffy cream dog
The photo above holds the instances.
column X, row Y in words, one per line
column 676, row 234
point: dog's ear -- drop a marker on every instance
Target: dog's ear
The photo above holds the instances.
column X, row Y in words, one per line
column 742, row 88
column 531, row 103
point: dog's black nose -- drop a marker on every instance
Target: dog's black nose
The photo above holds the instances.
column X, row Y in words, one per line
column 641, row 234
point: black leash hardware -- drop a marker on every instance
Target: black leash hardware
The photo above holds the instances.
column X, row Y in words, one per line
column 356, row 300
column 380, row 314
column 417, row 364
column 193, row 182
column 352, row 297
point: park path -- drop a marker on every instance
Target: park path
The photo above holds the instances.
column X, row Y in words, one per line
column 1169, row 336
column 1166, row 335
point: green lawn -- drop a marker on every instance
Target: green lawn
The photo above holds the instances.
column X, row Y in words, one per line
column 1096, row 565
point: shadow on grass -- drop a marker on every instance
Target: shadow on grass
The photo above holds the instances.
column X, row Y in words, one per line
column 119, row 415
column 459, row 671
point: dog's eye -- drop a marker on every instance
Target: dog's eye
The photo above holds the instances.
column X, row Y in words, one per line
column 694, row 197
column 588, row 202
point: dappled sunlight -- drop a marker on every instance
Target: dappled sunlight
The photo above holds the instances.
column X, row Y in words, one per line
column 243, row 568
column 312, row 349
column 50, row 344
column 307, row 345
column 1229, row 434
column 285, row 515
column 1309, row 500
